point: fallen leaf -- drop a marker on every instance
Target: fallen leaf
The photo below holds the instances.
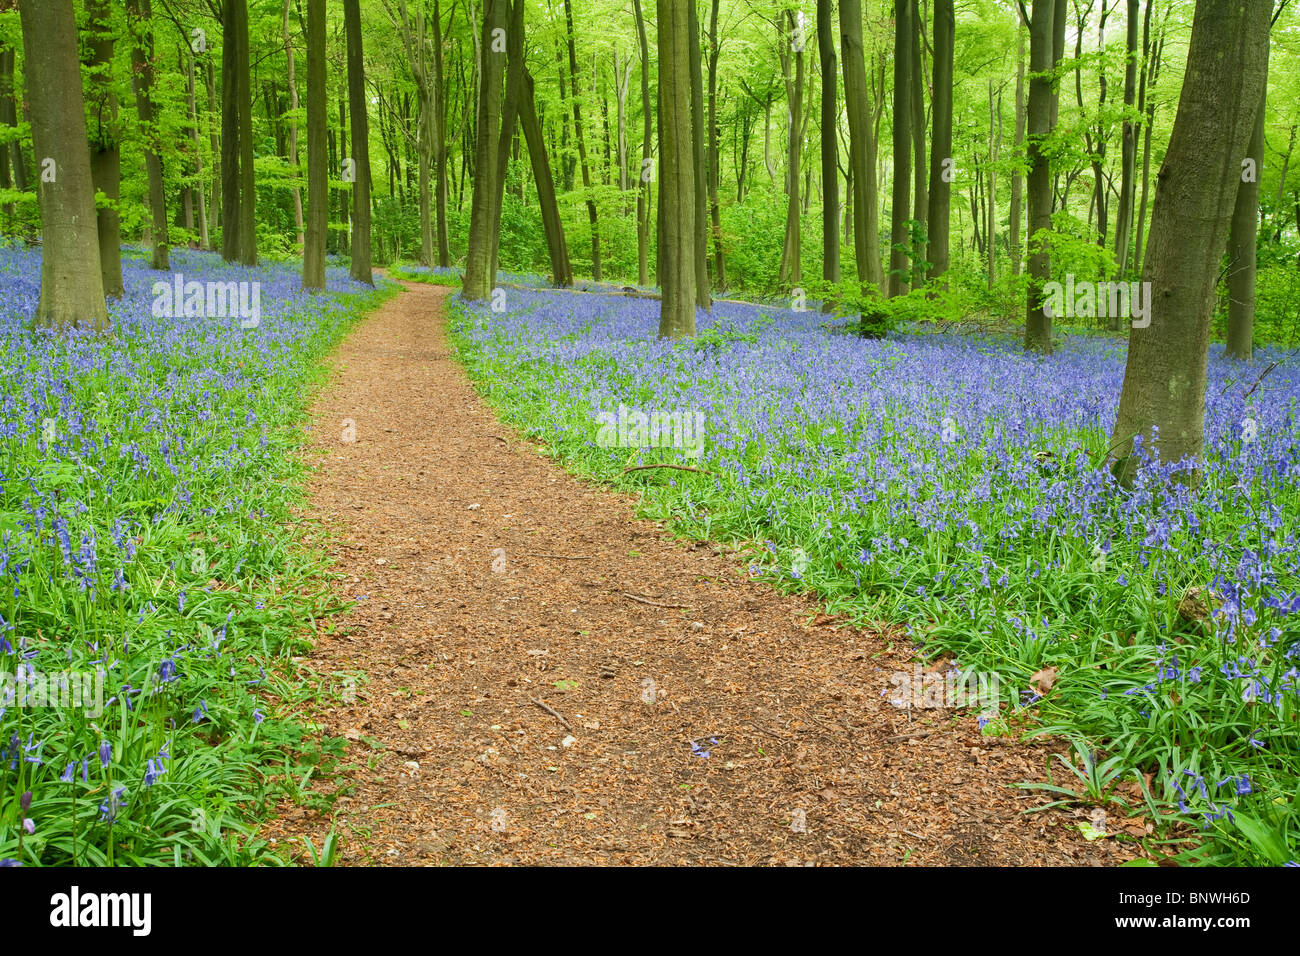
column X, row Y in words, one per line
column 1043, row 681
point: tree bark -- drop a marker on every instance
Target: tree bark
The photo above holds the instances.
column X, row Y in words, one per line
column 941, row 159
column 830, row 120
column 1128, row 148
column 866, row 225
column 1038, row 114
column 1017, row 178
column 561, row 271
column 292, row 80
column 900, row 236
column 247, row 188
column 714, row 164
column 360, row 269
column 1242, row 234
column 582, row 143
column 920, row 192
column 677, row 173
column 1162, row 402
column 478, row 260
column 701, row 245
column 643, row 174
column 105, row 144
column 140, row 17
column 72, row 286
column 317, row 225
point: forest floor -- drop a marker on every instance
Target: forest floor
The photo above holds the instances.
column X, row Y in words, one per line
column 490, row 583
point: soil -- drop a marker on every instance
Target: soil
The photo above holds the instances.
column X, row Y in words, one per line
column 548, row 679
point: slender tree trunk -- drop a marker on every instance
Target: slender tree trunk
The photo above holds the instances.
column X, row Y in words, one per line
column 440, row 140
column 1242, row 235
column 644, row 175
column 792, row 57
column 561, row 271
column 1017, row 178
column 72, row 285
column 317, row 226
column 1039, row 113
column 582, row 144
column 514, row 83
column 703, row 297
column 941, row 159
column 995, row 145
column 478, row 260
column 900, row 237
column 360, row 144
column 830, row 120
column 714, row 171
column 1163, row 397
column 1128, row 149
column 192, row 90
column 247, row 188
column 214, row 143
column 677, row 173
column 293, row 126
column 140, row 17
column 920, row 193
column 866, row 226
column 105, row 144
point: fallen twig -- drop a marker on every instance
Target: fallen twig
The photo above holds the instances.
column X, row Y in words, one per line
column 915, row 736
column 552, row 712
column 560, row 557
column 645, row 600
column 698, row 471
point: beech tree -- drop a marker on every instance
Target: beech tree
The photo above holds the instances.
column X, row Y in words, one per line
column 1162, row 403
column 360, row 269
column 676, row 172
column 72, row 285
column 317, row 225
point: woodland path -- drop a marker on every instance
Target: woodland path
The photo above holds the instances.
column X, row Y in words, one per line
column 456, row 653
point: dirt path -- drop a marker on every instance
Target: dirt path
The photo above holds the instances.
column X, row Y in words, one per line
column 456, row 653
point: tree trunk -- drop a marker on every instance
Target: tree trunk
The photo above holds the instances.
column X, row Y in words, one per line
column 1128, row 149
column 792, row 56
column 440, row 141
column 105, row 145
column 514, row 83
column 830, row 120
column 192, row 90
column 677, row 173
column 900, row 236
column 1162, row 402
column 714, row 164
column 293, row 127
column 72, row 286
column 941, row 160
column 866, row 226
column 247, row 188
column 920, row 192
column 140, row 18
column 561, row 271
column 317, row 226
column 1017, row 178
column 643, row 175
column 360, row 144
column 1038, row 115
column 582, row 143
column 1242, row 234
column 478, row 260
column 701, row 246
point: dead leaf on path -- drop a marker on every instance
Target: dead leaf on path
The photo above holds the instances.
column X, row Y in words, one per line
column 1043, row 681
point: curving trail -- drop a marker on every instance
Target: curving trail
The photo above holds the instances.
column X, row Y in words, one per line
column 458, row 654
